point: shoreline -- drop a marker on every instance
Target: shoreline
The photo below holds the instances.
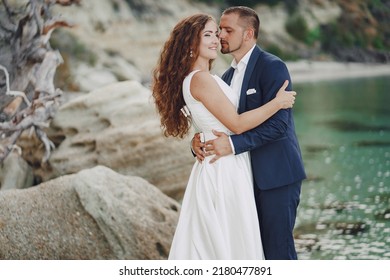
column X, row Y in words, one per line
column 305, row 71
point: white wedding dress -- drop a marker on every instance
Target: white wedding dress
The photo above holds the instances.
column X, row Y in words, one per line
column 218, row 218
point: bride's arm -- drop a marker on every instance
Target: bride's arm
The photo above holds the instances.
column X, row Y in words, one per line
column 205, row 89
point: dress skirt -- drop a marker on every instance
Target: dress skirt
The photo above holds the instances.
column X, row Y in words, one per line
column 218, row 218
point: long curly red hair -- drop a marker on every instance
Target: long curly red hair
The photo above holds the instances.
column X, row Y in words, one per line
column 176, row 60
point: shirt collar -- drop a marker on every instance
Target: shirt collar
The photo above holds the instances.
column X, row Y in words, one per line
column 244, row 61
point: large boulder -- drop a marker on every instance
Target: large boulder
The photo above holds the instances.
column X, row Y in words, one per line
column 117, row 126
column 95, row 214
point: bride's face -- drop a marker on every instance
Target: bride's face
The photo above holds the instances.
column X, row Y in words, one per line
column 209, row 41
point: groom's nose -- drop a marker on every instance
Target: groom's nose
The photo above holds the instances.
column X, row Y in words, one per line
column 222, row 34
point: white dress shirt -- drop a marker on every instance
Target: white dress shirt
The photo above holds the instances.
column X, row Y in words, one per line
column 238, row 77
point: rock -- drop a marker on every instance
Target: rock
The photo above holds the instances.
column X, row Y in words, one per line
column 89, row 78
column 95, row 214
column 117, row 126
column 15, row 173
column 134, row 30
column 123, row 70
column 351, row 228
column 108, row 69
column 319, row 12
column 356, row 54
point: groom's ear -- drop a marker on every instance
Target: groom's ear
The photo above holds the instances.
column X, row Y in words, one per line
column 249, row 34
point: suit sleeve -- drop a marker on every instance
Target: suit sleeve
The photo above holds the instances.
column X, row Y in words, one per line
column 270, row 81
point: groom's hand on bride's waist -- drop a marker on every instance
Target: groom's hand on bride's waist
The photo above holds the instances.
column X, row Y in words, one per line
column 198, row 147
column 219, row 146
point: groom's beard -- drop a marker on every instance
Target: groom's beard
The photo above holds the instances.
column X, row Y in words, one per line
column 225, row 48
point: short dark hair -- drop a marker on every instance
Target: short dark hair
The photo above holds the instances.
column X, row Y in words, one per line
column 248, row 15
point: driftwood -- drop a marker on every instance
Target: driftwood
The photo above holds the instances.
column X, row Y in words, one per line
column 28, row 97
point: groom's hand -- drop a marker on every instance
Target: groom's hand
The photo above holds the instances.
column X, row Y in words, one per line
column 197, row 147
column 219, row 147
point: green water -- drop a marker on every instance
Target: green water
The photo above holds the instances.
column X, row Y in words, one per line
column 344, row 132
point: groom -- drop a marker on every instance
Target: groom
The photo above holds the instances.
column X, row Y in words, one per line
column 275, row 154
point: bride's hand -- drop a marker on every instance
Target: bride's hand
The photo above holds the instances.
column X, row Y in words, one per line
column 285, row 98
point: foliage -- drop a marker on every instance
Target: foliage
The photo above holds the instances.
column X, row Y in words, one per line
column 313, row 36
column 274, row 49
column 297, row 27
column 380, row 10
column 363, row 24
column 249, row 3
column 368, row 28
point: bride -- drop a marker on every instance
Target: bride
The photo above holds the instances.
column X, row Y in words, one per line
column 218, row 218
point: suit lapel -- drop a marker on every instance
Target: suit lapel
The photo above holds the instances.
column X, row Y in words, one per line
column 228, row 75
column 248, row 73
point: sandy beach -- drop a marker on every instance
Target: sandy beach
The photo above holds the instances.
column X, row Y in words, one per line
column 313, row 71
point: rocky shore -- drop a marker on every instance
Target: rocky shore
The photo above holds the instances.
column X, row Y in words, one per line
column 113, row 185
column 312, row 71
column 94, row 214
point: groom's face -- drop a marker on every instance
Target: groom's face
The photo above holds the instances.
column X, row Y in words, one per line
column 231, row 33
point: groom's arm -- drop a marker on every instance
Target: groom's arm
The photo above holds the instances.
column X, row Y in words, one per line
column 272, row 79
column 275, row 127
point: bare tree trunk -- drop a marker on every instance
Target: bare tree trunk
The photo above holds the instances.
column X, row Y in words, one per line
column 28, row 98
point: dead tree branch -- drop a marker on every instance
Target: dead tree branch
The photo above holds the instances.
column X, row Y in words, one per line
column 28, row 97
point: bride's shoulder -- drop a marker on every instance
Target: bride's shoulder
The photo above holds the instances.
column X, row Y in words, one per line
column 202, row 77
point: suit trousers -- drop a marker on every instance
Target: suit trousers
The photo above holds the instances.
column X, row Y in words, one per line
column 277, row 210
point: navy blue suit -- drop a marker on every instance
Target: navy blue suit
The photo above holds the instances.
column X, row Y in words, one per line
column 276, row 158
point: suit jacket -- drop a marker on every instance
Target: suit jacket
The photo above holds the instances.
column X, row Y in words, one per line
column 273, row 145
